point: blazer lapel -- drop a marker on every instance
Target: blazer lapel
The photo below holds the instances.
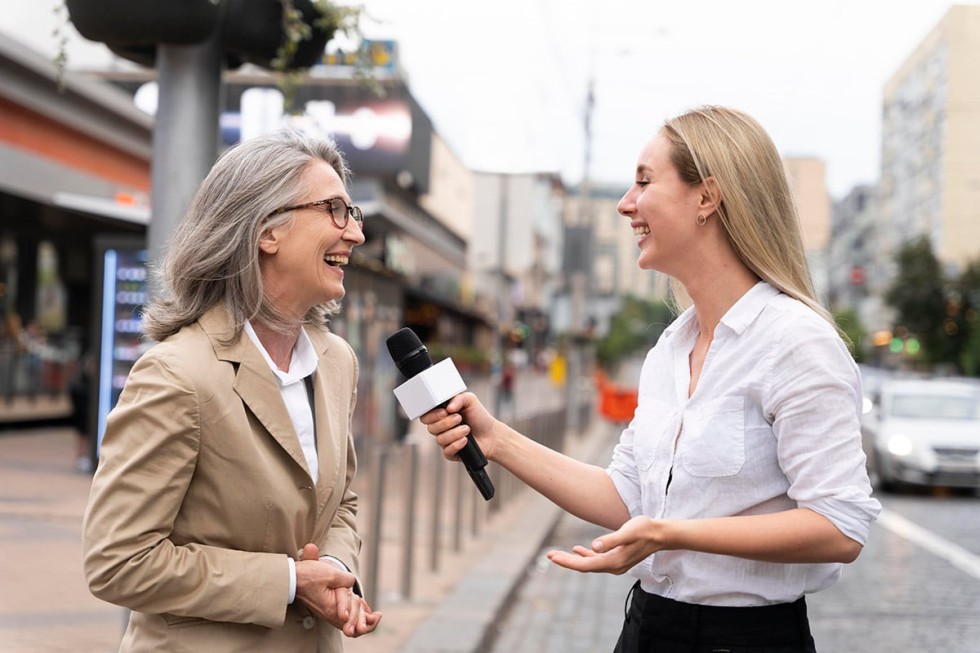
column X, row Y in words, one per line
column 254, row 383
column 260, row 392
column 331, row 411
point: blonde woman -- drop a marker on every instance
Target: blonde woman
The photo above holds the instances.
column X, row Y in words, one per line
column 740, row 484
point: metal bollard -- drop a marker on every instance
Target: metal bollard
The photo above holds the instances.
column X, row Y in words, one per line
column 458, row 510
column 409, row 525
column 439, row 473
column 374, row 561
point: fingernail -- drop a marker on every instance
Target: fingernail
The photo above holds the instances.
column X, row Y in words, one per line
column 597, row 545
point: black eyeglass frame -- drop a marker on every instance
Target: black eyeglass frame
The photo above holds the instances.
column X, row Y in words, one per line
column 349, row 210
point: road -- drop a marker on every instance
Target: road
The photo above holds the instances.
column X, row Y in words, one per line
column 916, row 587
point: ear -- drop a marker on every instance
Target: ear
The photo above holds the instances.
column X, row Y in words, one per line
column 269, row 243
column 710, row 198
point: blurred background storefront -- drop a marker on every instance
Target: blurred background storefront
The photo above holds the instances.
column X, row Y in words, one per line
column 76, row 170
column 74, row 210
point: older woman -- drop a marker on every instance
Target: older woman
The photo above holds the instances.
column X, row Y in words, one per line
column 740, row 484
column 221, row 512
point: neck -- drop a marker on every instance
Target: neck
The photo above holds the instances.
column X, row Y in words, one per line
column 277, row 344
column 717, row 291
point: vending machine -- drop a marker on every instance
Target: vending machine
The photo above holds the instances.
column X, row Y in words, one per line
column 121, row 290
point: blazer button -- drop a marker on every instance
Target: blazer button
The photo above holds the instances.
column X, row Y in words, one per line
column 308, row 622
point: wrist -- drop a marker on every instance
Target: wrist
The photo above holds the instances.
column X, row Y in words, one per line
column 663, row 534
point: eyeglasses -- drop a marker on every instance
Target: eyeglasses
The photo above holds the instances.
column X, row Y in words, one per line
column 338, row 209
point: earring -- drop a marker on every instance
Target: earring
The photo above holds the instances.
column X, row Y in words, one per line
column 701, row 219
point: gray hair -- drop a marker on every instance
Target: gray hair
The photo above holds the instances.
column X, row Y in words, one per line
column 213, row 254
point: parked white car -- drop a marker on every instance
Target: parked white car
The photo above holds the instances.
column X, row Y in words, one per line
column 923, row 432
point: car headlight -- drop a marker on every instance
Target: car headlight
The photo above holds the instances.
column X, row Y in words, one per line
column 900, row 445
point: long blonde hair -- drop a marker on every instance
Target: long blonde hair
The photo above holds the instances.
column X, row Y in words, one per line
column 757, row 207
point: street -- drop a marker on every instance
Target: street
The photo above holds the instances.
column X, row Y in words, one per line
column 916, row 587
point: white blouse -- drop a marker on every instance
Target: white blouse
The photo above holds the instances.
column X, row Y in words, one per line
column 772, row 425
column 292, row 386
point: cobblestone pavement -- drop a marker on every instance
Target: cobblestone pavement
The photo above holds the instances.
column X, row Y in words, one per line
column 898, row 595
column 561, row 611
column 902, row 596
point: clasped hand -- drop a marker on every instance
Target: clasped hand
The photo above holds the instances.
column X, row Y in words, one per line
column 615, row 553
column 328, row 592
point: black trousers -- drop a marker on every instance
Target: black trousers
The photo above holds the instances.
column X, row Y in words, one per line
column 658, row 625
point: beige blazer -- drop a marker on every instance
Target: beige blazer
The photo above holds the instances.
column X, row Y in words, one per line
column 202, row 491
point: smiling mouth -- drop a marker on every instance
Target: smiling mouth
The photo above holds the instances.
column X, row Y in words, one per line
column 335, row 260
column 641, row 231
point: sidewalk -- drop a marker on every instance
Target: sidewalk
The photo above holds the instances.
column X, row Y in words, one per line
column 465, row 620
column 45, row 604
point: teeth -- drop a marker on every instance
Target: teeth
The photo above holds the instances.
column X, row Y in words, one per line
column 335, row 259
column 641, row 231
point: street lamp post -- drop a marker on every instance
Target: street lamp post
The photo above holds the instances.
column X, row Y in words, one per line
column 185, row 139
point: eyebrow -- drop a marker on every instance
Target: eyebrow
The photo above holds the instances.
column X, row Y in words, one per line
column 643, row 168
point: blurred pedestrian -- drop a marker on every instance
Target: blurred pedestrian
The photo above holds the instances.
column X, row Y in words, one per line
column 79, row 392
column 221, row 512
column 740, row 485
column 505, row 405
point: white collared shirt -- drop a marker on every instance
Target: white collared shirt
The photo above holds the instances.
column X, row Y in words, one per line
column 772, row 425
column 293, row 389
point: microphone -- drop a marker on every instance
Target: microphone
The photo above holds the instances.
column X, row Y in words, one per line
column 426, row 387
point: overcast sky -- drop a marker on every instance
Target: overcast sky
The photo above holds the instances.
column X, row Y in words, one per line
column 505, row 81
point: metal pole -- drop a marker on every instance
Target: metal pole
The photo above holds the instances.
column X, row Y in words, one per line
column 581, row 276
column 374, row 563
column 185, row 137
column 503, row 294
column 475, row 514
column 440, row 471
column 409, row 535
column 458, row 510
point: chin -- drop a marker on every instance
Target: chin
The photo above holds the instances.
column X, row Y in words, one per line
column 644, row 263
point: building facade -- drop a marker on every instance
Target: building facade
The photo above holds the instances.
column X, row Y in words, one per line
column 808, row 183
column 856, row 267
column 515, row 253
column 75, row 183
column 930, row 156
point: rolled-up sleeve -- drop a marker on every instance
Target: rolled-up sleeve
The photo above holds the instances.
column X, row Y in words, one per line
column 623, row 472
column 815, row 405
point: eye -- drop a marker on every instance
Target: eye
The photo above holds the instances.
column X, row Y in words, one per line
column 642, row 182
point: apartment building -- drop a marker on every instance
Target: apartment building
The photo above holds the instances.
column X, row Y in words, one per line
column 808, row 183
column 930, row 161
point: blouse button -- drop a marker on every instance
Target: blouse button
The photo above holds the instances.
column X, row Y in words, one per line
column 308, row 622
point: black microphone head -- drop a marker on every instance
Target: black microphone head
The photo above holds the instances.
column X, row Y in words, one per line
column 408, row 352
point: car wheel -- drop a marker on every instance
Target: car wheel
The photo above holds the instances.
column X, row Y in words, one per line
column 880, row 478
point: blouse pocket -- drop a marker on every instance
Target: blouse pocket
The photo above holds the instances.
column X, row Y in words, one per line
column 653, row 422
column 713, row 440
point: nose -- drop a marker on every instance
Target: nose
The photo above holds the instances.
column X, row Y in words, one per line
column 627, row 204
column 354, row 232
